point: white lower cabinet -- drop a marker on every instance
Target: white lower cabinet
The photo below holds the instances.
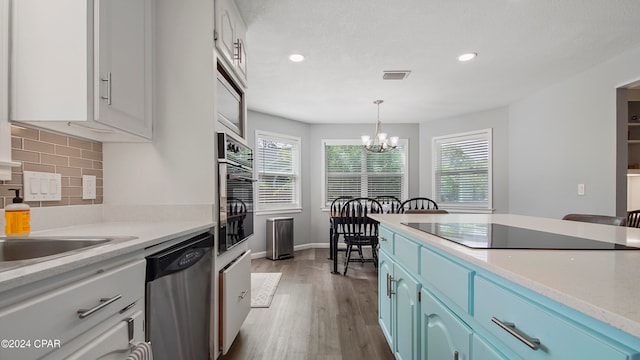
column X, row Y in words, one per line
column 63, row 315
column 115, row 342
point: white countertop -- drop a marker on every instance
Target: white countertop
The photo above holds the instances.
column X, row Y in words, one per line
column 146, row 234
column 604, row 284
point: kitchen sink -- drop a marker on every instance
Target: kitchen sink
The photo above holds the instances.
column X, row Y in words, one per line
column 39, row 248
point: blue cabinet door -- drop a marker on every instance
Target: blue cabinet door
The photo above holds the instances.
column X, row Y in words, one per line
column 385, row 310
column 443, row 335
column 406, row 314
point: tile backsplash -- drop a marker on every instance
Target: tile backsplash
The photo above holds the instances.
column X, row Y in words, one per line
column 71, row 157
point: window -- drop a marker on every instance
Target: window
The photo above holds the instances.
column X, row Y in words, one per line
column 462, row 170
column 351, row 170
column 278, row 166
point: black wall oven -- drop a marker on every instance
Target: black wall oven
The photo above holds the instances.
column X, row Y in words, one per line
column 235, row 188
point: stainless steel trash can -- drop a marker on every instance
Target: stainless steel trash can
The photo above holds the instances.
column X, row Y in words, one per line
column 279, row 238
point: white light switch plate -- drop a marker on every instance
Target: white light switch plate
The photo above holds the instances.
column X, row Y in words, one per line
column 41, row 186
column 580, row 189
column 88, row 187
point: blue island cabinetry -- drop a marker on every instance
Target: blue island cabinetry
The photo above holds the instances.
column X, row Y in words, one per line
column 436, row 306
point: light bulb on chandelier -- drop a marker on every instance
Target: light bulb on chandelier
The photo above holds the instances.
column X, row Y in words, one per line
column 380, row 142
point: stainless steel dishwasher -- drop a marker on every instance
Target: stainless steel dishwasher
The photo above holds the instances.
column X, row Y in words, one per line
column 179, row 299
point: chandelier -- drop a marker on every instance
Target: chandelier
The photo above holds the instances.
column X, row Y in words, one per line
column 380, row 142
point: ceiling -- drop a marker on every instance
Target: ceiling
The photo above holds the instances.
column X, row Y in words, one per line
column 522, row 46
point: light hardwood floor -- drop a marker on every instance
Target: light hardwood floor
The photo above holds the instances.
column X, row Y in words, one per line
column 314, row 314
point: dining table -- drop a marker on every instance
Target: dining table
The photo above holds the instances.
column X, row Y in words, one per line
column 335, row 220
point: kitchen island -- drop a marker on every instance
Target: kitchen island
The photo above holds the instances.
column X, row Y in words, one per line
column 565, row 298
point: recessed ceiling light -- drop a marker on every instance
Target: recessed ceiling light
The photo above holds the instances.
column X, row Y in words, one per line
column 467, row 56
column 296, row 57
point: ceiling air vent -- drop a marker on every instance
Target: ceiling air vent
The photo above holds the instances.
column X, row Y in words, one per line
column 396, row 75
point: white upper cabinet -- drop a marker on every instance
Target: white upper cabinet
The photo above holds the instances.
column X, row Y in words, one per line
column 5, row 130
column 4, row 59
column 83, row 67
column 231, row 38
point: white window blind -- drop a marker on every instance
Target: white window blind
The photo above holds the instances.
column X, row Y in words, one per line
column 278, row 164
column 350, row 170
column 462, row 170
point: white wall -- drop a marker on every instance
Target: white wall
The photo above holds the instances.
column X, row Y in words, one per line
column 311, row 226
column 565, row 135
column 497, row 119
column 319, row 226
column 178, row 166
column 260, row 121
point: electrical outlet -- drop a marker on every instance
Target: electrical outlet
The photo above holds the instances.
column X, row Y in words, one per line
column 580, row 189
column 88, row 187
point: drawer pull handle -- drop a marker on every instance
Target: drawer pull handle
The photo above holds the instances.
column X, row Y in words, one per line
column 382, row 238
column 455, row 355
column 244, row 293
column 104, row 302
column 533, row 343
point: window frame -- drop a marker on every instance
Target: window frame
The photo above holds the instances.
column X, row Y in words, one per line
column 358, row 142
column 296, row 166
column 475, row 134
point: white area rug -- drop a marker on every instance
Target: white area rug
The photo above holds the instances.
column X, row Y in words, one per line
column 263, row 287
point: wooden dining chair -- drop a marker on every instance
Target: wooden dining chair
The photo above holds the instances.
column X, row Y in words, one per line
column 236, row 215
column 596, row 219
column 334, row 209
column 390, row 204
column 633, row 218
column 359, row 230
column 418, row 203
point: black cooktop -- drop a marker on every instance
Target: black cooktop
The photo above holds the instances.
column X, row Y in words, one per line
column 497, row 236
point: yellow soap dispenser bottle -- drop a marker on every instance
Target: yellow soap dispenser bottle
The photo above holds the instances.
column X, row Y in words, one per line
column 17, row 216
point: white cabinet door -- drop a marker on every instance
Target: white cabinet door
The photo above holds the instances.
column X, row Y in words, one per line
column 124, row 76
column 4, row 63
column 241, row 49
column 51, row 60
column 231, row 38
column 113, row 343
column 225, row 29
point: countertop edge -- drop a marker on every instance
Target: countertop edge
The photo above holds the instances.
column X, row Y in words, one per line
column 147, row 235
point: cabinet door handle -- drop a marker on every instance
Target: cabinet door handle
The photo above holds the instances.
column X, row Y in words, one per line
column 388, row 286
column 238, row 48
column 533, row 343
column 104, row 302
column 108, row 81
column 455, row 355
column 382, row 238
column 244, row 293
column 391, row 280
column 130, row 328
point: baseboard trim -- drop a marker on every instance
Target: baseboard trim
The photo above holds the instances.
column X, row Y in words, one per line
column 261, row 254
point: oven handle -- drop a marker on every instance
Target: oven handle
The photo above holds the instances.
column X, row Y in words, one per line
column 242, row 178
